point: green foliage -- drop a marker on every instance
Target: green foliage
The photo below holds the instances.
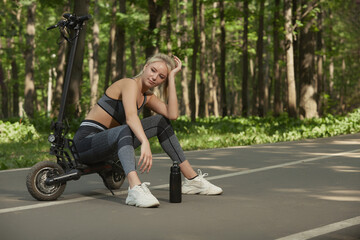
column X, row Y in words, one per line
column 19, row 144
column 17, row 132
column 340, row 37
column 229, row 131
column 25, row 145
column 24, row 154
column 42, row 123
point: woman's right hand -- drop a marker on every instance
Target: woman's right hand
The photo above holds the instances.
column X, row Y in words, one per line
column 145, row 157
column 178, row 65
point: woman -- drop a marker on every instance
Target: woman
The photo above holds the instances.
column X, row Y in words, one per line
column 112, row 130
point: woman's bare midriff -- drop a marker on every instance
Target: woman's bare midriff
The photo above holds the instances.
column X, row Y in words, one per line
column 101, row 116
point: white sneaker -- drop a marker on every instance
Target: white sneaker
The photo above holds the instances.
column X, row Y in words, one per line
column 140, row 196
column 200, row 185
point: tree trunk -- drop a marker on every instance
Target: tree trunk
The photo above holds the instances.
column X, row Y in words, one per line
column 223, row 58
column 16, row 85
column 13, row 76
column 133, row 56
column 254, row 92
column 168, row 26
column 49, row 92
column 133, row 50
column 277, row 75
column 60, row 72
column 110, row 72
column 60, row 75
column 343, row 87
column 203, row 99
column 259, row 53
column 94, row 58
column 4, row 94
column 320, row 60
column 91, row 66
column 193, row 83
column 30, row 93
column 155, row 14
column 120, row 44
column 290, row 73
column 267, row 78
column 244, row 93
column 214, row 82
column 182, row 44
column 296, row 16
column 331, row 60
column 73, row 100
column 308, row 105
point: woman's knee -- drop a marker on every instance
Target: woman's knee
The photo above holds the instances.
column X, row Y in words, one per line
column 121, row 136
column 162, row 121
column 165, row 129
column 158, row 118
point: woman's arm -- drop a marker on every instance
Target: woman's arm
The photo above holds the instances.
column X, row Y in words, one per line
column 169, row 110
column 128, row 95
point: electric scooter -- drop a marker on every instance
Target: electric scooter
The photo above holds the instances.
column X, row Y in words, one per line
column 46, row 181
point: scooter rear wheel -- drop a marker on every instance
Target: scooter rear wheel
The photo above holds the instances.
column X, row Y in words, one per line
column 114, row 179
column 35, row 181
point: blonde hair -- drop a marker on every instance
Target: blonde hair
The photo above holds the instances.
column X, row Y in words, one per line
column 170, row 64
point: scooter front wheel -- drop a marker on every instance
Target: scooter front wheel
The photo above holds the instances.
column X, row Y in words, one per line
column 36, row 181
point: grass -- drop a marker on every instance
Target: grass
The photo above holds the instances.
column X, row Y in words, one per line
column 22, row 145
column 18, row 155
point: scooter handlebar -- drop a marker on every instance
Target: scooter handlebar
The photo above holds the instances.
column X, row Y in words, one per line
column 84, row 18
column 70, row 20
column 51, row 27
column 75, row 18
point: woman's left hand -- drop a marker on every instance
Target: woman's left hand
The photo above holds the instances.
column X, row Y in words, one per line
column 178, row 65
column 145, row 160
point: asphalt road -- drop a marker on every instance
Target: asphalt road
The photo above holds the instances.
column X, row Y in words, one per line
column 293, row 190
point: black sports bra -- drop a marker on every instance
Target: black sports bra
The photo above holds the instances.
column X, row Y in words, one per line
column 115, row 108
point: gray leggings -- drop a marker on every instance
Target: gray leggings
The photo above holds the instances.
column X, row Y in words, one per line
column 95, row 145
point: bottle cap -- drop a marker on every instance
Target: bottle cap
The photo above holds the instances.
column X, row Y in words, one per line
column 175, row 167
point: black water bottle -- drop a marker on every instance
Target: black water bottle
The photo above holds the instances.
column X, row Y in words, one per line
column 175, row 183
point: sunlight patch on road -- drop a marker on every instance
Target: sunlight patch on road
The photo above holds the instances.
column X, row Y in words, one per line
column 343, row 195
column 348, row 192
column 355, row 142
column 290, row 190
column 337, row 198
column 205, row 158
column 348, row 169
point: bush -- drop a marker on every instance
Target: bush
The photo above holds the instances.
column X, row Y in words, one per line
column 17, row 132
column 234, row 131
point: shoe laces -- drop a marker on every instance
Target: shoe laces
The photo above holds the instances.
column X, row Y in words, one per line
column 144, row 187
column 200, row 174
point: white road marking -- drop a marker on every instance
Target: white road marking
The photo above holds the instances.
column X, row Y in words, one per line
column 47, row 204
column 54, row 203
column 323, row 230
column 14, row 170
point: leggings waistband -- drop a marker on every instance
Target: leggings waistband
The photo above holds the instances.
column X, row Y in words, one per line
column 93, row 123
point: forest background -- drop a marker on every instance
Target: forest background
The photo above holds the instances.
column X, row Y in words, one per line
column 275, row 67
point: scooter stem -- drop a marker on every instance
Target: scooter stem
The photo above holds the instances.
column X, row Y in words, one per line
column 68, row 77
